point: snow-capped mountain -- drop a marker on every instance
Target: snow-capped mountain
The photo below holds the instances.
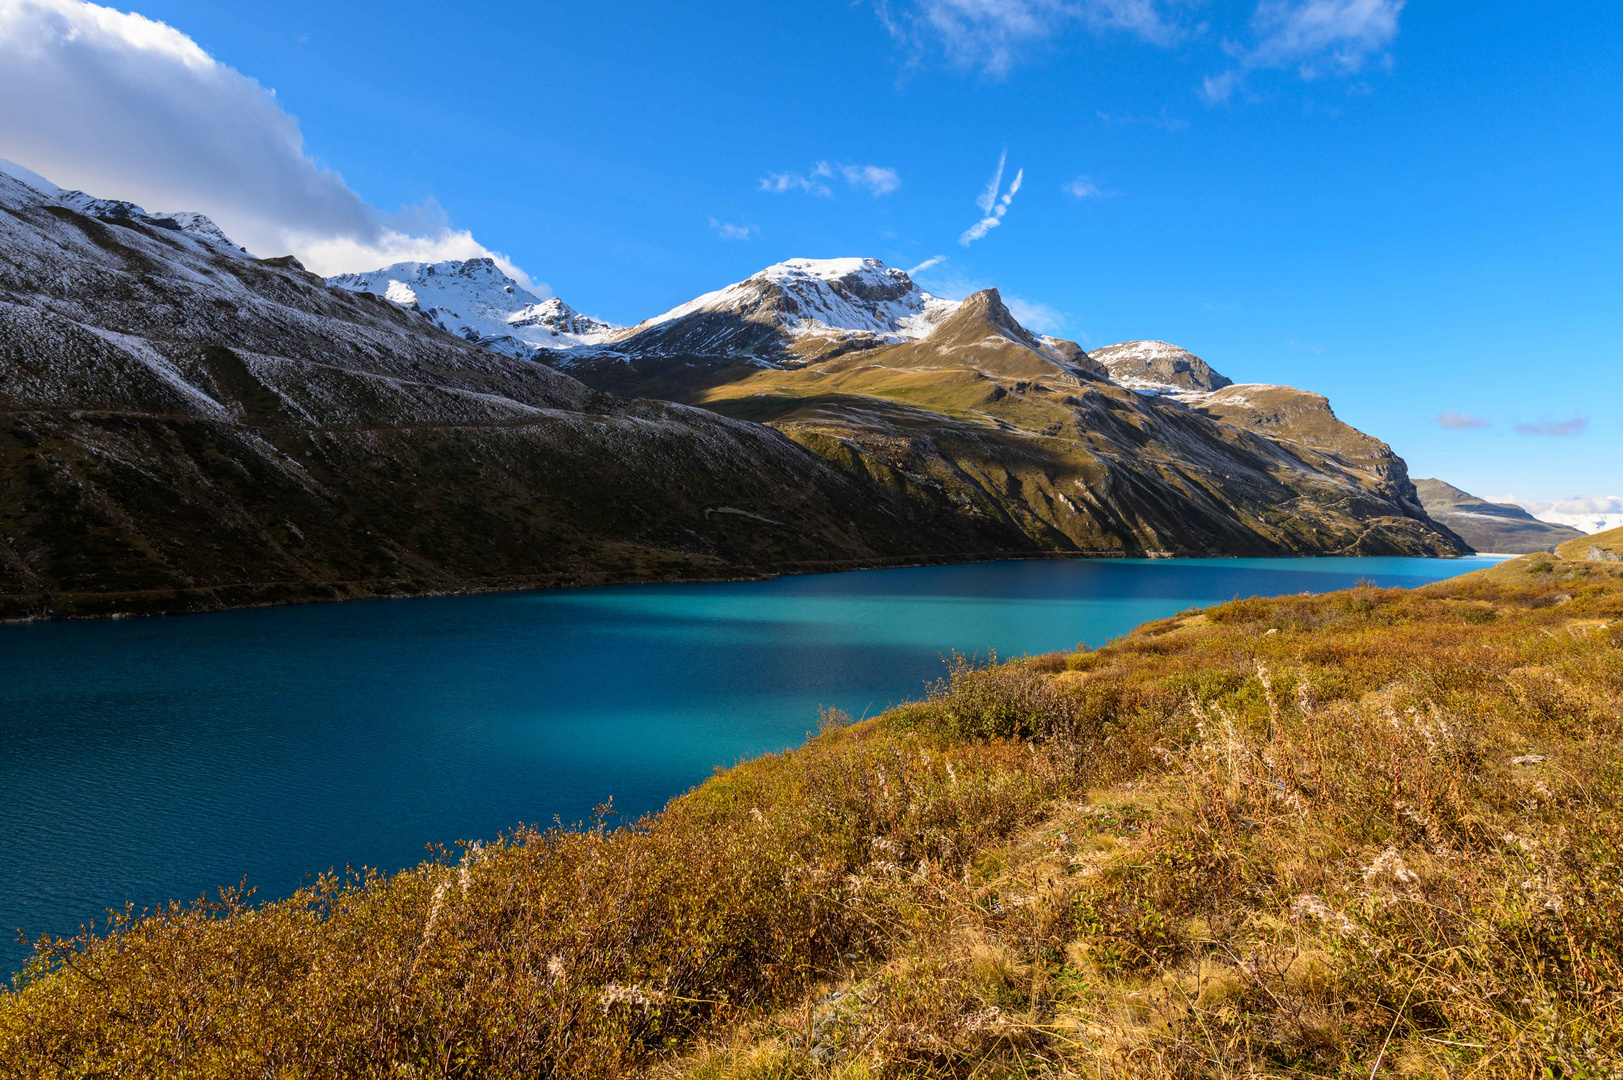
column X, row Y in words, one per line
column 476, row 301
column 795, row 306
column 1158, row 367
column 190, row 428
column 829, row 297
column 194, row 226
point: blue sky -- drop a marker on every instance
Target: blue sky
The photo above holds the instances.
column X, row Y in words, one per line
column 1412, row 208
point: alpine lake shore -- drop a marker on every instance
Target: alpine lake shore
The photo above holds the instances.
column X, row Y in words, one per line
column 1369, row 832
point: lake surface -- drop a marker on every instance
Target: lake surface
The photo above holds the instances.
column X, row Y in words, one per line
column 146, row 759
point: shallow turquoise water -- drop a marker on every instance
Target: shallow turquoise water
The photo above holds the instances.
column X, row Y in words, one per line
column 154, row 758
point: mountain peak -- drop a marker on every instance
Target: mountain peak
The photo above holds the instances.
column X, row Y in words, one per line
column 1159, row 367
column 475, row 300
column 824, row 297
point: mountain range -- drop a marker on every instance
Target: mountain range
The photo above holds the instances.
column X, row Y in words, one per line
column 1136, row 448
column 1504, row 528
column 186, row 426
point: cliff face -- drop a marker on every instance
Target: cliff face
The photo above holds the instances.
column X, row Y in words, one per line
column 184, row 427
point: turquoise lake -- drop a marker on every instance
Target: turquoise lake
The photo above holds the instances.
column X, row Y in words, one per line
column 146, row 759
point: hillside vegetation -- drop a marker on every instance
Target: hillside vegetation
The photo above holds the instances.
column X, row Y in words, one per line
column 1016, row 429
column 1374, row 832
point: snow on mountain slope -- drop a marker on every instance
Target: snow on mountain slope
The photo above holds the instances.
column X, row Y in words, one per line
column 828, row 298
column 196, row 226
column 477, row 302
column 1158, row 367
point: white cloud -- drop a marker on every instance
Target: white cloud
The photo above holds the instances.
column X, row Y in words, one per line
column 1317, row 37
column 876, row 180
column 1606, row 504
column 993, row 208
column 812, row 183
column 1592, row 515
column 927, row 265
column 948, row 282
column 1461, row 421
column 734, row 232
column 1082, row 188
column 1217, row 89
column 988, row 198
column 124, row 107
column 993, row 34
column 951, row 284
column 1035, row 316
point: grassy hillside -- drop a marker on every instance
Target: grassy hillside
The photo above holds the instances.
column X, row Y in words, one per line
column 1601, row 547
column 983, row 413
column 1372, row 832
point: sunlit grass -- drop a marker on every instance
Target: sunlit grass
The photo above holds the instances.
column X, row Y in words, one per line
column 1370, row 832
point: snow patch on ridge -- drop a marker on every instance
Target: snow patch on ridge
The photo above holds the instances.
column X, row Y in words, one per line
column 476, row 301
column 192, row 225
column 826, row 298
column 1155, row 368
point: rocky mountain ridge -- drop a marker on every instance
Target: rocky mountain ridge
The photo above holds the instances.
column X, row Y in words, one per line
column 185, row 427
column 851, row 358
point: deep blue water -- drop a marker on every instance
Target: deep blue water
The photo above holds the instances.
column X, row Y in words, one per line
column 153, row 758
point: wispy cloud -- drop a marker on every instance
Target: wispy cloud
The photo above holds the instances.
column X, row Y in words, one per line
column 1160, row 120
column 1034, row 315
column 952, row 284
column 812, row 183
column 1461, row 421
column 993, row 34
column 1559, row 429
column 1083, row 187
column 1314, row 349
column 993, row 206
column 728, row 231
column 126, row 107
column 1317, row 37
column 876, row 180
column 946, row 281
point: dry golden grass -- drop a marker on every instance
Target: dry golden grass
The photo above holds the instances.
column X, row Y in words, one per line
column 1369, row 833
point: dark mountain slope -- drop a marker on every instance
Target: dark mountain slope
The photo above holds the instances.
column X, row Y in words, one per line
column 1486, row 526
column 184, row 427
column 1029, row 432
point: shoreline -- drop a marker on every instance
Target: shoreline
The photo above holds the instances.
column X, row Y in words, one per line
column 332, row 592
